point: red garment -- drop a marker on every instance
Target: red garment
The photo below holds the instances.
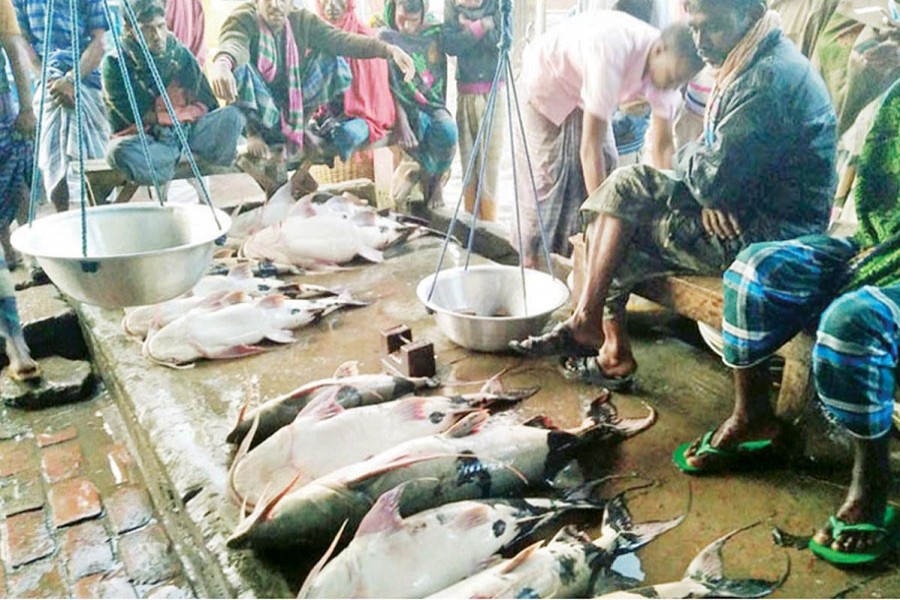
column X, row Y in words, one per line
column 186, row 21
column 369, row 97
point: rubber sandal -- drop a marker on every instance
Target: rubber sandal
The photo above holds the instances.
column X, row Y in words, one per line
column 741, row 456
column 890, row 527
column 586, row 370
column 559, row 341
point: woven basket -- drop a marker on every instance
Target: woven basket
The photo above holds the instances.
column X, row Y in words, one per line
column 359, row 166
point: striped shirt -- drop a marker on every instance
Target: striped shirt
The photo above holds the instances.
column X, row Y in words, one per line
column 32, row 16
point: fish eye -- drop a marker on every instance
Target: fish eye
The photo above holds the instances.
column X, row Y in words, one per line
column 436, row 417
column 499, row 527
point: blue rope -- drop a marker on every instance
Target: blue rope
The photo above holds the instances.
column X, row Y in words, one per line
column 179, row 131
column 35, row 170
column 512, row 149
column 79, row 119
column 132, row 102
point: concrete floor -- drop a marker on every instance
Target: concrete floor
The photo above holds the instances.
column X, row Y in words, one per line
column 179, row 419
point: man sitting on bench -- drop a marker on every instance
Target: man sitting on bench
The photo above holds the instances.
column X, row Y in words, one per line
column 212, row 132
column 764, row 170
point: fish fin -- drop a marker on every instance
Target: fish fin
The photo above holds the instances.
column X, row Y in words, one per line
column 471, row 518
column 491, row 561
column 413, row 409
column 320, row 564
column 708, row 570
column 261, row 511
column 252, row 394
column 384, row 514
column 302, row 208
column 541, row 422
column 242, row 451
column 516, row 561
column 271, row 301
column 238, row 351
column 241, row 271
column 323, row 406
column 347, row 369
column 371, row 254
column 281, row 336
column 631, row 536
column 468, row 425
column 396, row 463
column 494, row 385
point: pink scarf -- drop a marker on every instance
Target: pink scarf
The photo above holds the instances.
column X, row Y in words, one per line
column 369, row 96
column 185, row 20
column 292, row 122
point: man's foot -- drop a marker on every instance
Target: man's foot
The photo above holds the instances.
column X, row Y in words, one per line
column 257, row 147
column 559, row 341
column 857, row 526
column 733, row 440
column 588, row 369
column 22, row 367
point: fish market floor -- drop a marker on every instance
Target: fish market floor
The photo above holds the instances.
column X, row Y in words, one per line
column 179, row 419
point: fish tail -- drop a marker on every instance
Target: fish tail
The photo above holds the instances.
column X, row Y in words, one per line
column 632, row 536
column 708, row 570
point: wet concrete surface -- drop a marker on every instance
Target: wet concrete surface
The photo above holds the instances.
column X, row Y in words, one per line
column 179, row 419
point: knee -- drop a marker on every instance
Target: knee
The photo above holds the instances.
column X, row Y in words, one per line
column 856, row 315
column 447, row 132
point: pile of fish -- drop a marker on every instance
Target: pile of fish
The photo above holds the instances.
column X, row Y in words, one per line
column 227, row 316
column 317, row 232
column 437, row 490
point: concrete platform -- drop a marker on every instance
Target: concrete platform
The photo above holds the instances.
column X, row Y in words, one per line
column 179, row 419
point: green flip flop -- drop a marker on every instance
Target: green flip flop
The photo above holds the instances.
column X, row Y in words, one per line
column 730, row 458
column 890, row 528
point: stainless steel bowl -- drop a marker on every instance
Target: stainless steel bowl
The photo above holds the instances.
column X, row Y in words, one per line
column 139, row 253
column 483, row 308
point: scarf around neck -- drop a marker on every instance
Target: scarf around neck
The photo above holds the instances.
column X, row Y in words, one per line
column 737, row 60
column 292, row 120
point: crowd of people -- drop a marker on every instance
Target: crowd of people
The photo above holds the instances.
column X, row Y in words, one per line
column 738, row 181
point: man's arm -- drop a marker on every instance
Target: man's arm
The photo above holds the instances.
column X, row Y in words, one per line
column 16, row 49
column 593, row 163
column 93, row 54
column 663, row 144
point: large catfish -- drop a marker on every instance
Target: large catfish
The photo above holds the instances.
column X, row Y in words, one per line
column 352, row 390
column 234, row 330
column 325, row 437
column 705, row 578
column 392, row 557
column 565, row 567
column 466, row 462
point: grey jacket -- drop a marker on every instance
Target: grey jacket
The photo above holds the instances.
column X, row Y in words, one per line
column 769, row 154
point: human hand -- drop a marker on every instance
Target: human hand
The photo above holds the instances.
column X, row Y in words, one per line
column 62, row 91
column 487, row 23
column 257, row 147
column 26, row 123
column 720, row 223
column 404, row 62
column 222, row 80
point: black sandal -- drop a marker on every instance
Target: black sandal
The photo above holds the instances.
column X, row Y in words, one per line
column 559, row 341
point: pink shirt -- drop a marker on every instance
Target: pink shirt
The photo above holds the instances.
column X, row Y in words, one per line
column 186, row 21
column 593, row 61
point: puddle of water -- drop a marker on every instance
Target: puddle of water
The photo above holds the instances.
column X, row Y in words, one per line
column 629, row 565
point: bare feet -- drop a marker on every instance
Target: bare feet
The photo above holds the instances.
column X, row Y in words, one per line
column 257, row 147
column 21, row 366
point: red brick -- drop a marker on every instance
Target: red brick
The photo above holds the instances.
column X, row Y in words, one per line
column 62, row 461
column 16, row 456
column 28, row 538
column 73, row 500
column 22, row 492
column 38, row 580
column 109, row 585
column 87, row 550
column 128, row 508
column 50, row 438
column 148, row 556
column 121, row 464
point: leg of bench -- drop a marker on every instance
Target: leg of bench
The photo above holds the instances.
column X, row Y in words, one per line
column 126, row 193
column 796, row 390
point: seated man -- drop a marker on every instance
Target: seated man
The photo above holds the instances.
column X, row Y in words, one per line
column 364, row 113
column 772, row 291
column 212, row 132
column 280, row 63
column 763, row 171
column 574, row 77
column 425, row 128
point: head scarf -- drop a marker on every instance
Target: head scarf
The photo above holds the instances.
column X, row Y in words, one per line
column 369, row 96
column 429, row 86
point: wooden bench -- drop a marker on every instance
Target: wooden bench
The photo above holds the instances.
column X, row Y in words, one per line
column 700, row 298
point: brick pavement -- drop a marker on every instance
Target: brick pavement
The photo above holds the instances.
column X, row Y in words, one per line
column 76, row 520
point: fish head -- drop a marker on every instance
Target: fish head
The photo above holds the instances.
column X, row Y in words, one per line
column 173, row 344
